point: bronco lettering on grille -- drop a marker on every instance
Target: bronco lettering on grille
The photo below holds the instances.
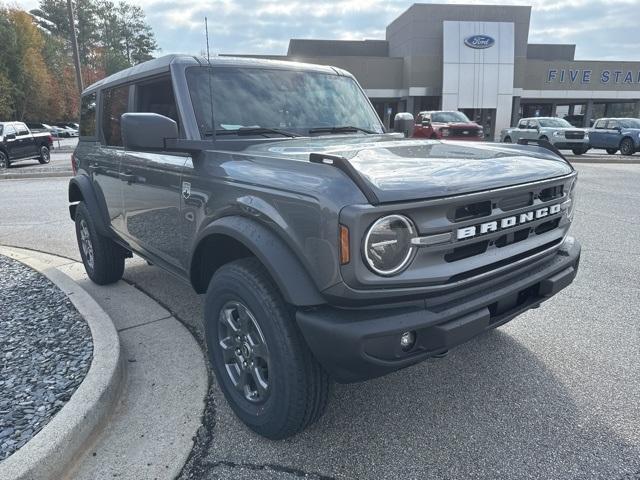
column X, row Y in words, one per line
column 507, row 222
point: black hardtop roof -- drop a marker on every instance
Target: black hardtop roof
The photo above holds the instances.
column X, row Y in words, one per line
column 163, row 64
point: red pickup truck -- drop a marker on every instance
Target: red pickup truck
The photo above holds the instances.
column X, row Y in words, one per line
column 17, row 142
column 446, row 125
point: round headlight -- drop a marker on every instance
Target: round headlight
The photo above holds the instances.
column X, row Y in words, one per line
column 387, row 245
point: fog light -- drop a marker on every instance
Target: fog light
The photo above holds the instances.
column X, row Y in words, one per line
column 407, row 340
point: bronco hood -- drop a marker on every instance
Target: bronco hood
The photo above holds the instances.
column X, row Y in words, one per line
column 401, row 169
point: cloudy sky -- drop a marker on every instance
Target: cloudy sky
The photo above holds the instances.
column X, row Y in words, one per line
column 601, row 29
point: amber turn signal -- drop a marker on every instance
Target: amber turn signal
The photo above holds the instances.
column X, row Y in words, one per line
column 345, row 255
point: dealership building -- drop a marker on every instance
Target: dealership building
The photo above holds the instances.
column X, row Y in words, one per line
column 477, row 59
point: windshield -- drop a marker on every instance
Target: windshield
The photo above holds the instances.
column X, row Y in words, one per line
column 288, row 100
column 554, row 122
column 630, row 123
column 448, row 117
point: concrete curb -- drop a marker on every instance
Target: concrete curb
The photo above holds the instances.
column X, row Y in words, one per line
column 618, row 161
column 13, row 176
column 55, row 447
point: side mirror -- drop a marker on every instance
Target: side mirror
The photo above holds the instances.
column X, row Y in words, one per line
column 10, row 136
column 404, row 123
column 146, row 131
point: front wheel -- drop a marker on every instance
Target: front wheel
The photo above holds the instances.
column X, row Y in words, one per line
column 578, row 151
column 4, row 161
column 103, row 259
column 507, row 140
column 612, row 151
column 627, row 147
column 45, row 155
column 261, row 361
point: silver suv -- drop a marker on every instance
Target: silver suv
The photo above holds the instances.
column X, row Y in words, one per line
column 558, row 131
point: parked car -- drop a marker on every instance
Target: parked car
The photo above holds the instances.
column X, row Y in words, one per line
column 55, row 131
column 72, row 131
column 615, row 134
column 326, row 248
column 555, row 130
column 447, row 125
column 17, row 142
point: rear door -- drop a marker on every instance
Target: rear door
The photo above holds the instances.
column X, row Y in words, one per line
column 597, row 134
column 151, row 183
column 104, row 165
column 519, row 132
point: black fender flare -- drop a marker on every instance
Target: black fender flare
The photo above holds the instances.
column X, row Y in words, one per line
column 81, row 189
column 293, row 280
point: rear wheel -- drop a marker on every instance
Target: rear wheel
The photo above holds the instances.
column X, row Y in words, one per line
column 578, row 151
column 612, row 151
column 627, row 147
column 261, row 361
column 45, row 155
column 103, row 259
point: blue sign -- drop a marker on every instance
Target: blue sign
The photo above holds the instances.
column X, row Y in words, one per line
column 612, row 77
column 479, row 41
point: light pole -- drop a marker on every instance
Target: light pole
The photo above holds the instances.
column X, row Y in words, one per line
column 74, row 45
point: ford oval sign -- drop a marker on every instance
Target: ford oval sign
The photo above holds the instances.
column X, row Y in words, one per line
column 479, row 41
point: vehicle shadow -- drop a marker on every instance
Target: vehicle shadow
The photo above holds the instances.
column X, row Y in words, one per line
column 491, row 409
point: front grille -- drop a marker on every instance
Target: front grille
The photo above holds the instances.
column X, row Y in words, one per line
column 574, row 134
column 464, row 132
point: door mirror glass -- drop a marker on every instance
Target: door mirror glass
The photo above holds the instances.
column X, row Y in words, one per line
column 10, row 136
column 404, row 123
column 146, row 131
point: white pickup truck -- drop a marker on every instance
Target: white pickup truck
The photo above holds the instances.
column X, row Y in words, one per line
column 557, row 131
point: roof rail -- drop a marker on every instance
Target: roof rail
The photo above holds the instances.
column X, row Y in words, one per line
column 344, row 165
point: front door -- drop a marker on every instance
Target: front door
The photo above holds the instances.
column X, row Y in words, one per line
column 152, row 190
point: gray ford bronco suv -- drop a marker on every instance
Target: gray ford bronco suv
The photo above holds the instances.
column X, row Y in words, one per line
column 326, row 248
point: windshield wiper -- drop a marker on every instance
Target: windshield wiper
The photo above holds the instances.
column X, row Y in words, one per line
column 255, row 131
column 343, row 129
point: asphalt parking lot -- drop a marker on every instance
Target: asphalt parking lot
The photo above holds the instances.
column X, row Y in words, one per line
column 553, row 394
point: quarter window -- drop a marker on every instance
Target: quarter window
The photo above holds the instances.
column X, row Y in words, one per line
column 88, row 116
column 114, row 104
column 522, row 124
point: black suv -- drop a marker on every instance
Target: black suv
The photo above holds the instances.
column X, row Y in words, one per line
column 327, row 248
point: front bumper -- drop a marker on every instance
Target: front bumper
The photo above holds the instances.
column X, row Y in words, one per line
column 359, row 344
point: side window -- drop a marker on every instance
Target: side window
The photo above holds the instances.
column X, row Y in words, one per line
column 8, row 130
column 88, row 115
column 157, row 97
column 600, row 124
column 522, row 124
column 114, row 104
column 532, row 124
column 611, row 124
column 21, row 129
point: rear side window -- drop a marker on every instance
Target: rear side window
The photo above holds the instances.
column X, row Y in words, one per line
column 612, row 124
column 114, row 104
column 88, row 116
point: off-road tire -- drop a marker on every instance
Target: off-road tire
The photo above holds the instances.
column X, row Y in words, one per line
column 45, row 155
column 612, row 151
column 4, row 161
column 298, row 387
column 107, row 265
column 627, row 147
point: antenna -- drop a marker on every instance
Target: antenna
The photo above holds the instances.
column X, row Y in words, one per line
column 206, row 34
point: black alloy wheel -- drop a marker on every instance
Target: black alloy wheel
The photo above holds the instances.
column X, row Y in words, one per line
column 627, row 147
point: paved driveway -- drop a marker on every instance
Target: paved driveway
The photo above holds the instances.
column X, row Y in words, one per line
column 554, row 394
